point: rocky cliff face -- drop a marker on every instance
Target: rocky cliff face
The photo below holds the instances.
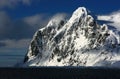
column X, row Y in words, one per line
column 80, row 41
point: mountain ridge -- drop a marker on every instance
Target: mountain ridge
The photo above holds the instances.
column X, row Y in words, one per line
column 80, row 41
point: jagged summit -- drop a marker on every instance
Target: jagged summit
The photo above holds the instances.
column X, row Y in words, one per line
column 81, row 12
column 80, row 41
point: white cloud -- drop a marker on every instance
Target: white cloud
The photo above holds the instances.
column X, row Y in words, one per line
column 38, row 20
column 113, row 17
column 58, row 17
column 12, row 3
column 104, row 17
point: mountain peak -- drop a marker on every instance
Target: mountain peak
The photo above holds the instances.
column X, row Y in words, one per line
column 80, row 41
column 81, row 12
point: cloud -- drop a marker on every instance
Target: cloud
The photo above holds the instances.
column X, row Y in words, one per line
column 17, row 34
column 27, row 1
column 43, row 19
column 37, row 20
column 5, row 25
column 113, row 18
column 23, row 28
column 20, row 29
column 57, row 18
column 60, row 16
column 23, row 43
column 12, row 3
column 2, row 44
column 14, row 46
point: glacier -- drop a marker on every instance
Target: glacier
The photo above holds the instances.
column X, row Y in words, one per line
column 79, row 41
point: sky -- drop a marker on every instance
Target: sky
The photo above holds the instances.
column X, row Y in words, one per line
column 20, row 19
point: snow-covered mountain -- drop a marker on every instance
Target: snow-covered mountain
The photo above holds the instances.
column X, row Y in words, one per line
column 79, row 41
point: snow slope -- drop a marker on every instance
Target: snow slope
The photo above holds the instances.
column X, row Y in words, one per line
column 80, row 41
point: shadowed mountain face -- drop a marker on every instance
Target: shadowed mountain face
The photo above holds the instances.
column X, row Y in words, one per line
column 80, row 41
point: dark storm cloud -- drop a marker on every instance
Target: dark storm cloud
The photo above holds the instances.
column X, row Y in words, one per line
column 2, row 44
column 20, row 29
